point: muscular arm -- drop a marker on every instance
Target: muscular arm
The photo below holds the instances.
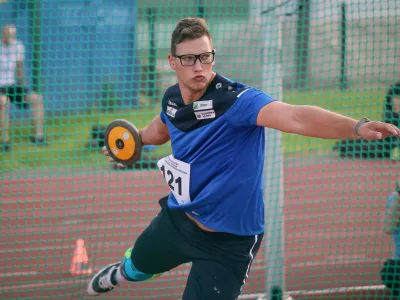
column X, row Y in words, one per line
column 306, row 120
column 156, row 133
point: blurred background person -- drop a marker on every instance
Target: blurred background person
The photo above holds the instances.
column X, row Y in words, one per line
column 392, row 116
column 390, row 272
column 13, row 88
column 392, row 105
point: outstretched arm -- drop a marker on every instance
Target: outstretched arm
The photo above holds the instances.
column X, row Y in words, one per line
column 317, row 122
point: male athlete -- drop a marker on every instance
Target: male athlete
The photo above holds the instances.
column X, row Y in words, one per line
column 214, row 215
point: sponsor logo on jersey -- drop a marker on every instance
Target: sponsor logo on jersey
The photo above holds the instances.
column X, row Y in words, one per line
column 205, row 114
column 171, row 111
column 204, row 104
column 172, row 103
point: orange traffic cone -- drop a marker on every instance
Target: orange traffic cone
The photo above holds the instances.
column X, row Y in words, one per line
column 80, row 260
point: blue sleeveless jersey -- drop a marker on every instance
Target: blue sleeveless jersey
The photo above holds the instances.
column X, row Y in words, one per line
column 216, row 168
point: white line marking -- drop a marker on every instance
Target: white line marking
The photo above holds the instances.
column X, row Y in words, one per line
column 46, row 284
column 94, row 246
column 12, row 274
column 339, row 290
column 258, row 296
column 335, row 262
column 253, row 296
column 53, row 283
column 66, row 229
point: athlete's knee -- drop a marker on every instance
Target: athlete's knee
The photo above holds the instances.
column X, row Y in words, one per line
column 3, row 101
column 390, row 274
column 131, row 272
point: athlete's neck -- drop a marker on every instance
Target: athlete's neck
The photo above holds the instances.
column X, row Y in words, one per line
column 189, row 96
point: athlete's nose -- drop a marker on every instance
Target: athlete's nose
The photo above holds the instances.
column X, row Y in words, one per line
column 198, row 65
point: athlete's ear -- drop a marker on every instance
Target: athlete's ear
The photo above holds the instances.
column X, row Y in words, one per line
column 172, row 61
column 213, row 63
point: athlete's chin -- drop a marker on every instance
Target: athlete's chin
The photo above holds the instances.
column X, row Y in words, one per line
column 198, row 86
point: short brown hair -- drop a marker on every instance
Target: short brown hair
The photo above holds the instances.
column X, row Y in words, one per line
column 188, row 29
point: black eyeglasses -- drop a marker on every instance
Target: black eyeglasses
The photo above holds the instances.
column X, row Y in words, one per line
column 191, row 59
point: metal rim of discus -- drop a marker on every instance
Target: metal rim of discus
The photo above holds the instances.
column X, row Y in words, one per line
column 123, row 142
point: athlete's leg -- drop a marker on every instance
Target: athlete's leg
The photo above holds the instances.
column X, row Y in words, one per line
column 158, row 249
column 212, row 280
column 223, row 277
column 4, row 121
column 37, row 108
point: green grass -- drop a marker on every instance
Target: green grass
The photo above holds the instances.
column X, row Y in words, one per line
column 68, row 134
column 67, row 138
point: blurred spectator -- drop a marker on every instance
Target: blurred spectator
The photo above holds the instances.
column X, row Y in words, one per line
column 392, row 105
column 387, row 148
column 13, row 87
column 390, row 272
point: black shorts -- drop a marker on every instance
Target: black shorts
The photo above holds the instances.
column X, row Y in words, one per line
column 16, row 94
column 220, row 261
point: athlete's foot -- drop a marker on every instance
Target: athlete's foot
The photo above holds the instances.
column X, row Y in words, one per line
column 5, row 146
column 104, row 281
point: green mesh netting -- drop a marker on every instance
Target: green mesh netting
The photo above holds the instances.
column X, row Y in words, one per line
column 95, row 61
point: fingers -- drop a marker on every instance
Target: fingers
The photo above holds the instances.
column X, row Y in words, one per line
column 380, row 130
column 394, row 130
column 110, row 159
column 105, row 151
column 118, row 166
column 389, row 130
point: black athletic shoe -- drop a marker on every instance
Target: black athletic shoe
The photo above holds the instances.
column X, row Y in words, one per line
column 103, row 281
column 38, row 141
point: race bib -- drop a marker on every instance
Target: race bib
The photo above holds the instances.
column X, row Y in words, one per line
column 177, row 175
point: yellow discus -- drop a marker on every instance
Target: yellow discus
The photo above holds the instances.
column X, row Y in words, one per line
column 123, row 142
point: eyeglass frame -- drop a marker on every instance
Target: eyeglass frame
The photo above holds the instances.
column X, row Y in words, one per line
column 197, row 57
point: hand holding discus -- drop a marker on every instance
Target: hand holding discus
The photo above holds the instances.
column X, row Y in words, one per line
column 122, row 142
